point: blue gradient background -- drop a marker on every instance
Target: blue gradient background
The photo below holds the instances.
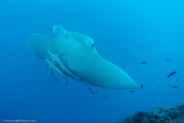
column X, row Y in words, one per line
column 126, row 32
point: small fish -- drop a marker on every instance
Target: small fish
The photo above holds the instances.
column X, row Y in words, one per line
column 153, row 98
column 173, row 86
column 168, row 59
column 177, row 78
column 142, row 86
column 106, row 97
column 152, row 81
column 132, row 91
column 171, row 74
column 180, row 95
column 143, row 62
column 93, row 91
column 89, row 88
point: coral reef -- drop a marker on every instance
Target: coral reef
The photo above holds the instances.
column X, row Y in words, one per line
column 158, row 115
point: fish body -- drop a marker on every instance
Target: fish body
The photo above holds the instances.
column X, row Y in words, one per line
column 143, row 62
column 173, row 86
column 171, row 74
column 74, row 55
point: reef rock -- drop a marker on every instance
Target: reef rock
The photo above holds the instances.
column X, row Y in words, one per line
column 158, row 115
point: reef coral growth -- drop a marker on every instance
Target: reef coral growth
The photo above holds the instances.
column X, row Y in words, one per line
column 158, row 115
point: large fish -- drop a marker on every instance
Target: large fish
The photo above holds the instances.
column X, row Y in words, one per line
column 73, row 54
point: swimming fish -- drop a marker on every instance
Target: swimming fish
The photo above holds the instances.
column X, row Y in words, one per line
column 171, row 74
column 89, row 88
column 106, row 97
column 74, row 55
column 142, row 85
column 177, row 78
column 132, row 91
column 168, row 60
column 153, row 98
column 173, row 86
column 143, row 62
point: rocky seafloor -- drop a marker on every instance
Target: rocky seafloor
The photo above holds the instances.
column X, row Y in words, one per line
column 158, row 115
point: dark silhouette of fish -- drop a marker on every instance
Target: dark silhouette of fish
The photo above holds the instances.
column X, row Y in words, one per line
column 177, row 78
column 93, row 91
column 152, row 81
column 180, row 95
column 132, row 91
column 89, row 88
column 168, row 60
column 171, row 74
column 106, row 97
column 142, row 86
column 173, row 86
column 143, row 62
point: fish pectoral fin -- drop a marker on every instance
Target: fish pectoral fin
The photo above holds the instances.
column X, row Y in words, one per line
column 68, row 71
column 52, row 67
column 57, row 59
column 52, row 56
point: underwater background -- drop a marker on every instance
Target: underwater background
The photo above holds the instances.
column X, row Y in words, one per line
column 145, row 38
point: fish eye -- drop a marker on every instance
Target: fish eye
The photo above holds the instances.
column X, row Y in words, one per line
column 66, row 36
column 93, row 45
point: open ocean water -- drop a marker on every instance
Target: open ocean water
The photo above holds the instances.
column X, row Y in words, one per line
column 145, row 38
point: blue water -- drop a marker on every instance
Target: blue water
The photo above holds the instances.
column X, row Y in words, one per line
column 126, row 32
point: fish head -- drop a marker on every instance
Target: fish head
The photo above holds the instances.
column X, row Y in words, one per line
column 38, row 44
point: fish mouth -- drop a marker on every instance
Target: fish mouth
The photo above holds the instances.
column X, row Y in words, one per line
column 38, row 44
